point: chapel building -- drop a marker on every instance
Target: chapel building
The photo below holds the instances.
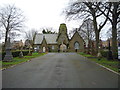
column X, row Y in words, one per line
column 59, row 42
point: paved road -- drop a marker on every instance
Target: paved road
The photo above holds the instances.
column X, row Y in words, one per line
column 59, row 70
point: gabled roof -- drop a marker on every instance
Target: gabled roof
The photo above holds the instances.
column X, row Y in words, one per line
column 75, row 34
column 59, row 36
column 44, row 41
column 50, row 38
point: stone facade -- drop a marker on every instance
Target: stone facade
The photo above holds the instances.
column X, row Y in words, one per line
column 59, row 42
column 17, row 44
column 76, row 42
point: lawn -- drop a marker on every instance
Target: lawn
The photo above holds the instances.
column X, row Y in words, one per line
column 111, row 64
column 0, row 64
column 17, row 60
column 86, row 55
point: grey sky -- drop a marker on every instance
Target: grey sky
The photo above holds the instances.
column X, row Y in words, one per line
column 43, row 13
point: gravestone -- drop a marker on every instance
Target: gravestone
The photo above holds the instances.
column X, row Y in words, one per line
column 21, row 54
column 8, row 56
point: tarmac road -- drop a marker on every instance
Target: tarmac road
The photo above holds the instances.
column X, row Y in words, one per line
column 59, row 70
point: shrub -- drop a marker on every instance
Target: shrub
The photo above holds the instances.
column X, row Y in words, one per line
column 116, row 55
column 15, row 53
column 105, row 54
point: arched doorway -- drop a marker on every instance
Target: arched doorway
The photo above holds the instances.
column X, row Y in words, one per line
column 44, row 49
column 63, row 47
column 76, row 46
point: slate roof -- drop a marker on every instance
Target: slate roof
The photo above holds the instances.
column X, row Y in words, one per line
column 50, row 38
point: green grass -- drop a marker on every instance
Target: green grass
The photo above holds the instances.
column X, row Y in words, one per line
column 86, row 55
column 111, row 64
column 17, row 60
column 0, row 64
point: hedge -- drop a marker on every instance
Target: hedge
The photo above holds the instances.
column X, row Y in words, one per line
column 105, row 54
column 15, row 53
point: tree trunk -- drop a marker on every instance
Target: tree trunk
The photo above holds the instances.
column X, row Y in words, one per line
column 88, row 51
column 114, row 31
column 33, row 41
column 97, row 41
column 96, row 35
column 114, row 40
column 6, row 37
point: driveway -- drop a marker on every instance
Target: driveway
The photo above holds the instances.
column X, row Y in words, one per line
column 59, row 70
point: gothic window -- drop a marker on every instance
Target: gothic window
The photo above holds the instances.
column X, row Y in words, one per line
column 76, row 45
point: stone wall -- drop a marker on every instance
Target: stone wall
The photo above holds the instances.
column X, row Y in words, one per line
column 76, row 38
column 52, row 47
column 49, row 47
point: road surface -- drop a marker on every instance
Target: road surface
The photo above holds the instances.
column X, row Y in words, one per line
column 59, row 70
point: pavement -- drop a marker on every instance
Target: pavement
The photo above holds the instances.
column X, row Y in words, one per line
column 59, row 70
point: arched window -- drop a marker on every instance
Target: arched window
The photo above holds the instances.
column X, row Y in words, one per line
column 76, row 45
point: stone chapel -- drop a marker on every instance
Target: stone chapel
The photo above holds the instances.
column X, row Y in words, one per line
column 59, row 42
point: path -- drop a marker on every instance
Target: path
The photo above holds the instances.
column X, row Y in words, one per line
column 59, row 70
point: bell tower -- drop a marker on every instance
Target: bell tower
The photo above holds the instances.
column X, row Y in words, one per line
column 62, row 35
column 62, row 29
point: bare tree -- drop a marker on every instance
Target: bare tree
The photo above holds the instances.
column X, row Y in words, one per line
column 87, row 9
column 11, row 18
column 1, row 34
column 48, row 30
column 109, row 33
column 71, row 32
column 114, row 18
column 14, row 35
column 86, row 30
column 30, row 35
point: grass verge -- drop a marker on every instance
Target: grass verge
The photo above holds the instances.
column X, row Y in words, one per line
column 0, row 64
column 111, row 64
column 17, row 60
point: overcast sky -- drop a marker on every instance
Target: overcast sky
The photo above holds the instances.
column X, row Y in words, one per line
column 43, row 13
